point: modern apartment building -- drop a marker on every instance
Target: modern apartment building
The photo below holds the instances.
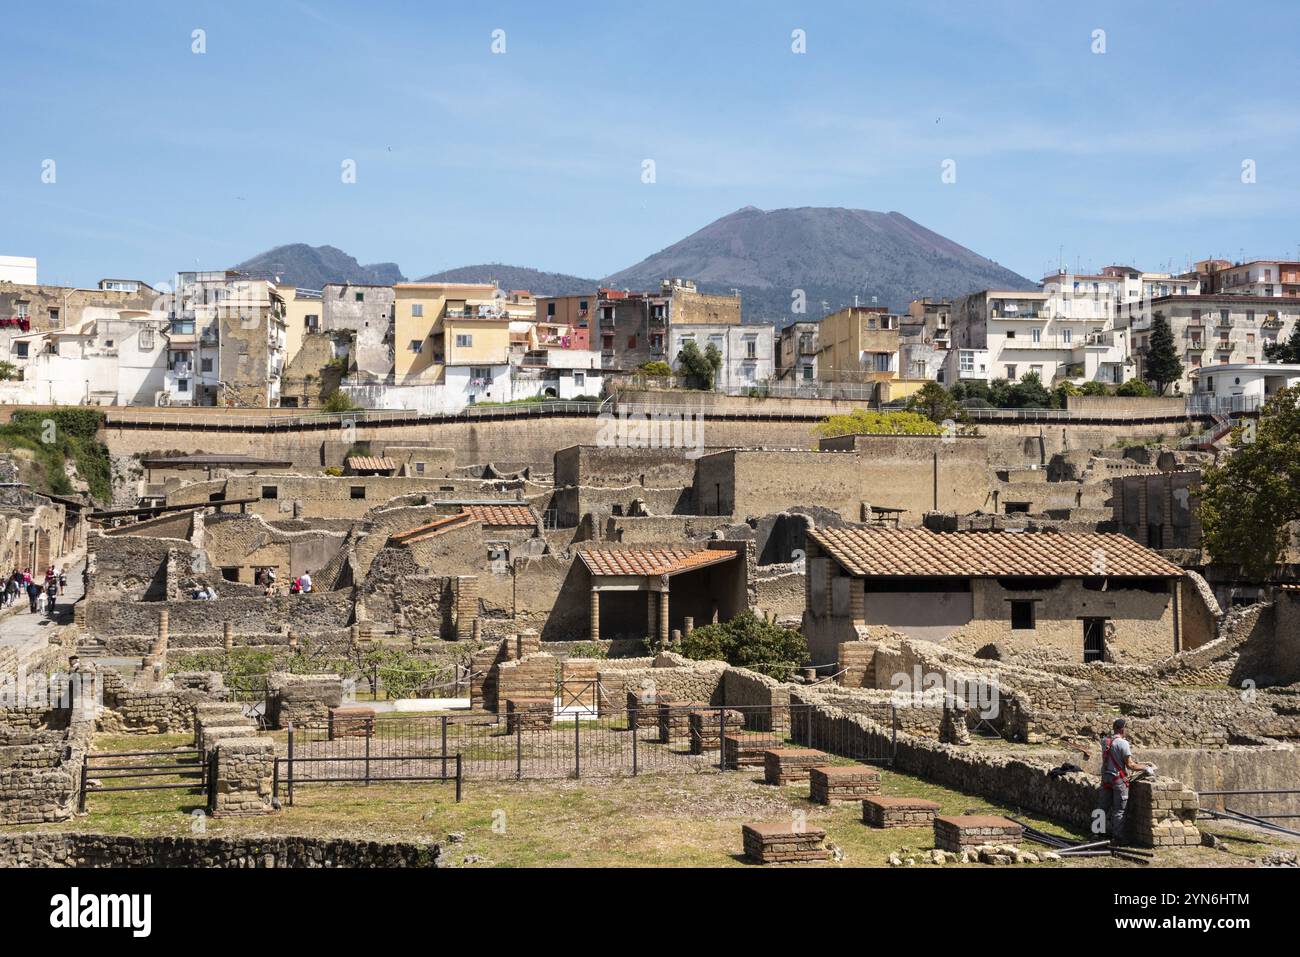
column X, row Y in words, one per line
column 859, row 344
column 1210, row 330
column 226, row 341
column 1272, row 278
column 748, row 350
column 797, row 346
column 422, row 342
column 1058, row 333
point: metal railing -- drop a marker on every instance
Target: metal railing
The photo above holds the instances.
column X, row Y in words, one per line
column 546, row 741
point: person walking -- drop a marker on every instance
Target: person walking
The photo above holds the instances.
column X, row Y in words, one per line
column 33, row 593
column 51, row 595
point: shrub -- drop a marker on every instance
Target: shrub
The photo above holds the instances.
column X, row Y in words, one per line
column 655, row 367
column 748, row 642
column 866, row 422
column 1135, row 388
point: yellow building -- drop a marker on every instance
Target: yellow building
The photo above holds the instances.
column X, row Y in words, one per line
column 420, row 336
column 302, row 310
column 858, row 344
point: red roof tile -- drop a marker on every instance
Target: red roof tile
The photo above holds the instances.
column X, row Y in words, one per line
column 507, row 514
column 919, row 552
column 651, row 559
column 367, row 463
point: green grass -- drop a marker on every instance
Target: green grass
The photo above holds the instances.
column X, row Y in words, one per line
column 684, row 818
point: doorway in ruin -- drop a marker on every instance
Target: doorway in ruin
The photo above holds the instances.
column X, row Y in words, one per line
column 1094, row 639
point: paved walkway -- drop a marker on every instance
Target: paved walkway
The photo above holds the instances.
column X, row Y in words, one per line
column 29, row 633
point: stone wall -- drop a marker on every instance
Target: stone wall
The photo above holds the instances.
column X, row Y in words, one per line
column 303, row 700
column 320, row 611
column 40, row 772
column 54, row 849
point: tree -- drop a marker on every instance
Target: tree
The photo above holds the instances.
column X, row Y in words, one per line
column 1094, row 388
column 1062, row 393
column 700, row 366
column 1288, row 351
column 935, row 403
column 1249, row 499
column 1162, row 364
column 748, row 641
column 1029, row 393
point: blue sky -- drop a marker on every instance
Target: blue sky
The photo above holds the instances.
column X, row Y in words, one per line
column 167, row 159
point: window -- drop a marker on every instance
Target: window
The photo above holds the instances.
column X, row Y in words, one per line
column 882, row 361
column 751, row 348
column 270, row 491
column 361, row 297
column 416, row 345
column 417, row 309
column 20, row 350
column 579, row 379
column 311, row 322
column 205, row 365
column 966, row 361
column 1036, row 335
column 631, row 342
column 1022, row 616
column 550, row 309
column 230, row 573
column 464, row 341
column 481, row 372
column 419, row 468
column 1068, row 335
column 807, row 373
column 182, row 385
column 358, row 491
column 1011, row 372
column 582, row 304
column 145, row 341
column 54, row 317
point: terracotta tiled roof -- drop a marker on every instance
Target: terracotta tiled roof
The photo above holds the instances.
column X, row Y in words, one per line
column 506, row 514
column 439, row 525
column 919, row 552
column 651, row 559
column 366, row 463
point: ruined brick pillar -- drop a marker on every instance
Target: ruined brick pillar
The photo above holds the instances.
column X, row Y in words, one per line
column 651, row 614
column 663, row 611
column 594, row 631
column 689, row 625
column 227, row 637
column 243, row 785
column 857, row 602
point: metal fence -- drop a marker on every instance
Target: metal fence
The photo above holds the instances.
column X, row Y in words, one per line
column 159, row 770
column 548, row 745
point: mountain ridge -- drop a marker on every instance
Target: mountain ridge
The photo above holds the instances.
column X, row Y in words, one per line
column 833, row 255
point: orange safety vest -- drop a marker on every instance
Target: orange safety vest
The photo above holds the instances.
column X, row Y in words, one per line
column 1108, row 755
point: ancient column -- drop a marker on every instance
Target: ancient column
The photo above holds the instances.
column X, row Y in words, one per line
column 594, row 632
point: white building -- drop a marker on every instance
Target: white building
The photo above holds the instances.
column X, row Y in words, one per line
column 1241, row 386
column 558, row 374
column 748, row 350
column 108, row 361
column 20, row 270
